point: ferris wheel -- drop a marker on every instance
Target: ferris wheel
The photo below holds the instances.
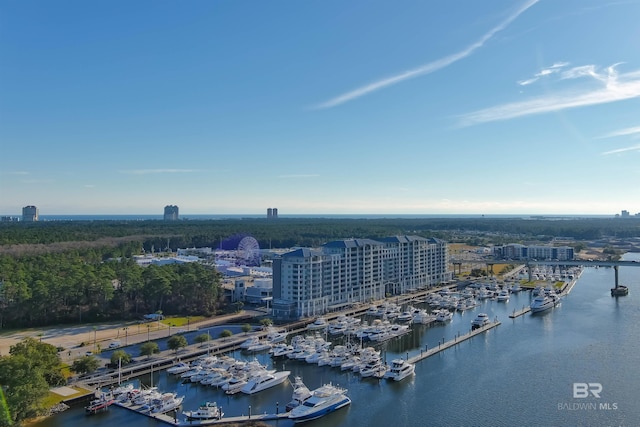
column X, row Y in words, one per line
column 248, row 252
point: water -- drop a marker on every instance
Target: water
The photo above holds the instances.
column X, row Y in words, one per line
column 520, row 373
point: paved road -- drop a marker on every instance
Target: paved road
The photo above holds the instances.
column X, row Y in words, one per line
column 92, row 336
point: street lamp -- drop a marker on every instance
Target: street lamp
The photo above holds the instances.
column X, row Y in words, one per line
column 170, row 325
column 148, row 332
column 95, row 330
column 126, row 334
column 188, row 322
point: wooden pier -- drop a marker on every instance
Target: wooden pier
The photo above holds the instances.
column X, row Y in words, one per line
column 457, row 340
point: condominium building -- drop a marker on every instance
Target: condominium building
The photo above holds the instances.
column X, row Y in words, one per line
column 311, row 282
column 30, row 214
column 171, row 213
column 520, row 252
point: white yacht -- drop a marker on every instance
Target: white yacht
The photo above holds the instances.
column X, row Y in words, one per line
column 399, row 370
column 300, row 393
column 275, row 336
column 544, row 302
column 167, row 402
column 322, row 401
column 481, row 319
column 260, row 345
column 206, row 411
column 443, row 315
column 503, row 295
column 250, row 341
column 264, row 381
column 318, row 324
column 179, row 368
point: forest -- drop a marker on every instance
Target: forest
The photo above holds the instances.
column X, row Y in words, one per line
column 74, row 272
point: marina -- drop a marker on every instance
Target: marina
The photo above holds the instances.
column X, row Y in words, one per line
column 518, row 347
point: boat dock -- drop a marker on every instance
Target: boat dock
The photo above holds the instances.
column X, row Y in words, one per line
column 519, row 313
column 174, row 421
column 457, row 340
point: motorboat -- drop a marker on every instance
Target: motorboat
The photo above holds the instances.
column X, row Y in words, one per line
column 274, row 336
column 318, row 324
column 399, row 370
column 264, row 381
column 443, row 315
column 405, row 316
column 167, row 402
column 300, row 393
column 235, row 384
column 179, row 368
column 249, row 342
column 100, row 404
column 281, row 350
column 206, row 411
column 322, row 401
column 260, row 345
column 503, row 295
column 481, row 320
column 544, row 302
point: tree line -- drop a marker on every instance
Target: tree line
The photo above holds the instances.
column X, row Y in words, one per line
column 79, row 286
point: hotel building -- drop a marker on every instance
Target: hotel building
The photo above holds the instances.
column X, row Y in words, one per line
column 310, row 282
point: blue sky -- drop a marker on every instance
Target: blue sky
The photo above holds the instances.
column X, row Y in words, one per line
column 228, row 106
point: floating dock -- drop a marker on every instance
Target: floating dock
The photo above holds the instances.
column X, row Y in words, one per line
column 451, row 343
column 174, row 421
column 519, row 313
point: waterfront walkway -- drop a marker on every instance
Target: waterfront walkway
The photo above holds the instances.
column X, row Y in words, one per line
column 457, row 340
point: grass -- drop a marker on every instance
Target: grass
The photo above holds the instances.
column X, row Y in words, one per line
column 54, row 398
column 176, row 322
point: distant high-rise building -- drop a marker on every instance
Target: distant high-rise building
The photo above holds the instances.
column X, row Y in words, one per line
column 171, row 213
column 269, row 213
column 625, row 214
column 30, row 213
column 275, row 213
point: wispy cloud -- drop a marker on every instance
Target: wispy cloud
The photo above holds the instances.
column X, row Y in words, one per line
column 310, row 175
column 623, row 132
column 555, row 68
column 155, row 171
column 616, row 88
column 427, row 68
column 622, row 150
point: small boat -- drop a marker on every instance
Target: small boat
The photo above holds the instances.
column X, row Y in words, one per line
column 264, row 381
column 481, row 320
column 206, row 411
column 399, row 370
column 100, row 404
column 619, row 290
column 322, row 401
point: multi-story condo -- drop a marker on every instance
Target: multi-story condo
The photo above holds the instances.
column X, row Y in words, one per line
column 171, row 213
column 30, row 213
column 517, row 251
column 310, row 282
